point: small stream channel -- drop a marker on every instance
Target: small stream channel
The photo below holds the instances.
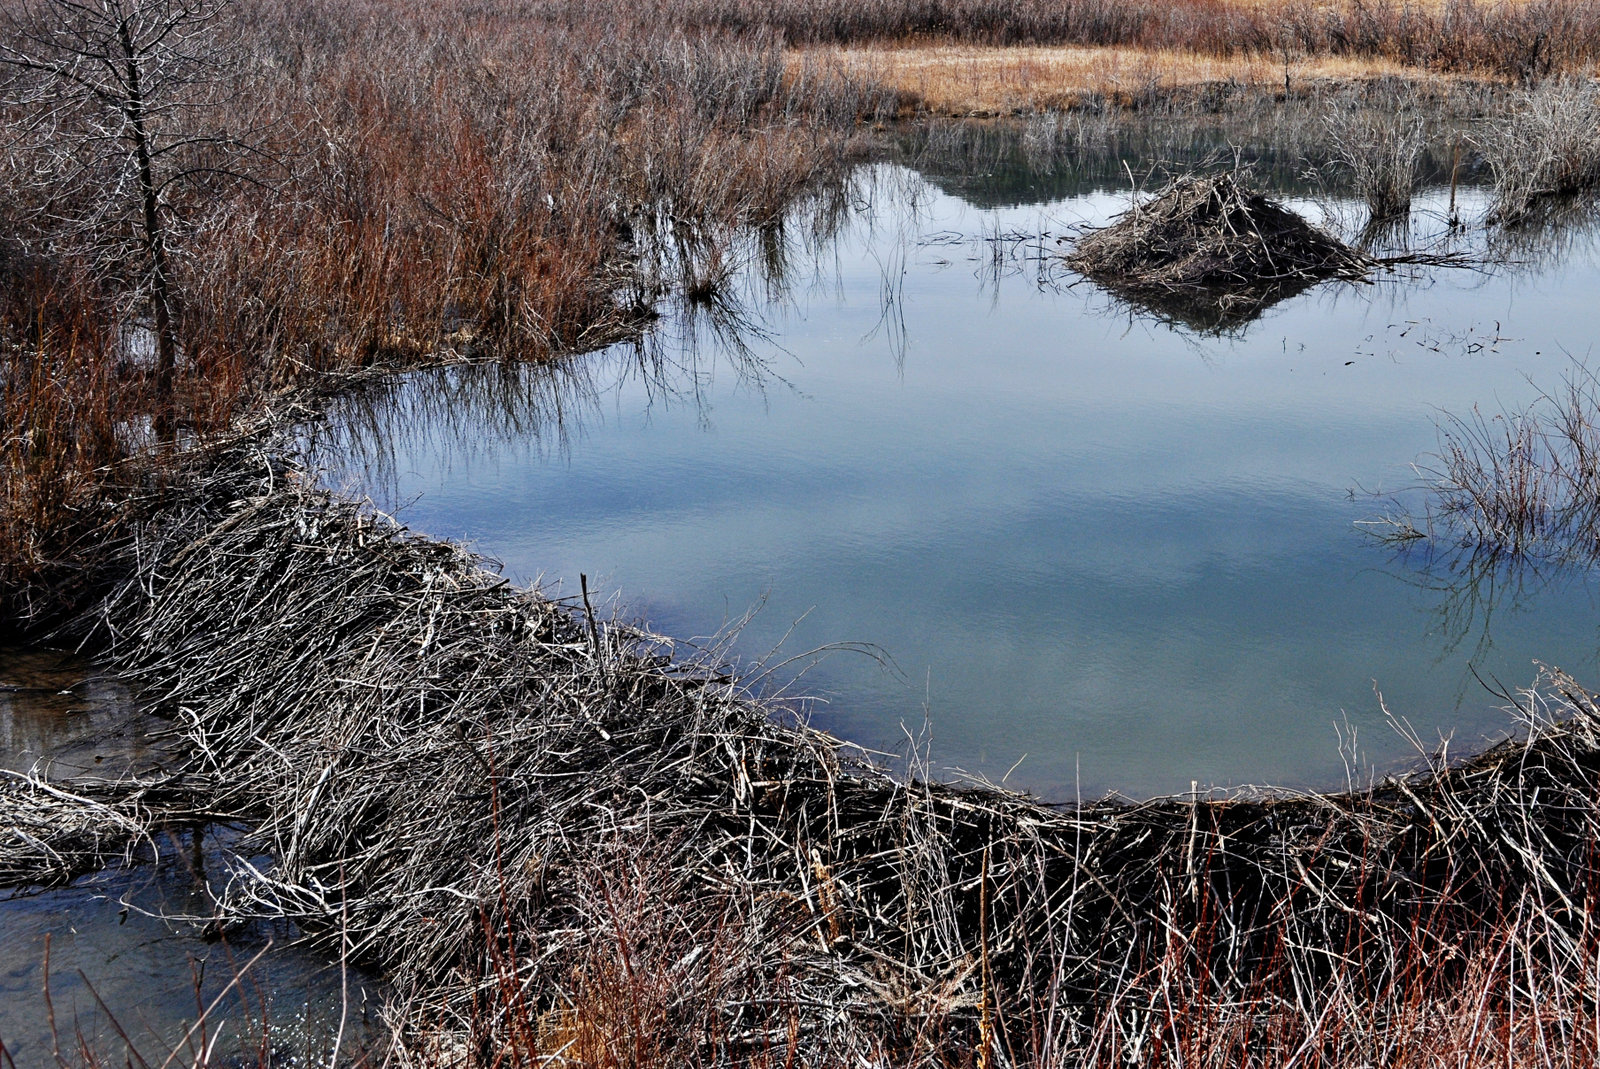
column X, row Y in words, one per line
column 1058, row 541
column 129, row 958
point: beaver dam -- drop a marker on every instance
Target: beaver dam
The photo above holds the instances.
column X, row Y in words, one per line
column 563, row 838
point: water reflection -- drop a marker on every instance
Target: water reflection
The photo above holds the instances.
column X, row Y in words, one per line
column 1469, row 589
column 111, row 971
column 61, row 716
column 1077, row 541
column 1065, row 155
column 544, row 408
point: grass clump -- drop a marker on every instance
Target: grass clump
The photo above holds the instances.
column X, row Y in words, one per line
column 1522, row 484
column 1543, row 147
column 1209, row 251
column 1381, row 148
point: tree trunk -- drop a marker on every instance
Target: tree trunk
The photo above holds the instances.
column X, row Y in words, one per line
column 154, row 241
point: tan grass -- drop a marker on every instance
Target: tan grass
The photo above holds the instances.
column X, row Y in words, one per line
column 970, row 79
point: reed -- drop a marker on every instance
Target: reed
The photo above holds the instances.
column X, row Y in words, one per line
column 1381, row 149
column 1542, row 148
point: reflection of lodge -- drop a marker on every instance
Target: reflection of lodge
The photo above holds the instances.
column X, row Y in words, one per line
column 1209, row 311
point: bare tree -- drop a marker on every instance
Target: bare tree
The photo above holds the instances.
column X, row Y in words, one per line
column 114, row 102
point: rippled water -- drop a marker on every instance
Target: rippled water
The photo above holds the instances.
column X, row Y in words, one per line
column 1091, row 549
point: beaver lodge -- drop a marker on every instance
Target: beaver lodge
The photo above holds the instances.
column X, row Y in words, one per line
column 1212, row 254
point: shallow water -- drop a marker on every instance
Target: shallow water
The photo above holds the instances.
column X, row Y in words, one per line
column 1088, row 549
column 61, row 716
column 129, row 959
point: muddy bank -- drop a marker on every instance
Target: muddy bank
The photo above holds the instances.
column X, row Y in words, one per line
column 523, row 815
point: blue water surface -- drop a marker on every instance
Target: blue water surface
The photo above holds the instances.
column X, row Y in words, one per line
column 1089, row 549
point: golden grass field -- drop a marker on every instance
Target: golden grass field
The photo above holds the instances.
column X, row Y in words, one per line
column 962, row 80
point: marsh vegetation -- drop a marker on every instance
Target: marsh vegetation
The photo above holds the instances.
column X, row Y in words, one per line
column 346, row 189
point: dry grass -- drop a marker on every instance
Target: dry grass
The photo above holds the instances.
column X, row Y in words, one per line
column 963, row 80
column 976, row 58
column 1543, row 147
column 425, row 182
column 1525, row 41
column 1381, row 149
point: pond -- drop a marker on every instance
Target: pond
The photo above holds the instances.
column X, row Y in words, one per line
column 906, row 466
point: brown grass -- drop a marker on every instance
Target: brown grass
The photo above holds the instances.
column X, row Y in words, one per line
column 424, row 182
column 974, row 80
column 1523, row 41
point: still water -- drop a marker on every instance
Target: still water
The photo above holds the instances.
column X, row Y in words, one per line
column 117, row 967
column 1057, row 540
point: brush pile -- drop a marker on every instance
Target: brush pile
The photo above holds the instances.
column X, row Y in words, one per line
column 567, row 839
column 1210, row 252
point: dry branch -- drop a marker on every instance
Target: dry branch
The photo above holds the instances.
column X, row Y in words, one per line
column 52, row 833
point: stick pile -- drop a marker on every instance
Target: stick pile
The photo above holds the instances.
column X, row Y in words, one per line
column 50, row 834
column 1211, row 252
